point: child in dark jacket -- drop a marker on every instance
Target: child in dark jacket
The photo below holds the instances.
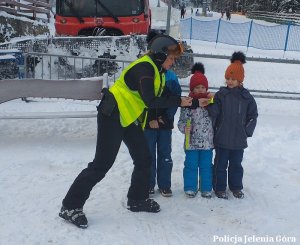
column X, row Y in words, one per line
column 234, row 114
column 196, row 124
column 158, row 132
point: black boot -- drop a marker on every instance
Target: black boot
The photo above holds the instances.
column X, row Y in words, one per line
column 75, row 216
column 147, row 205
column 151, row 191
column 166, row 192
column 238, row 194
column 221, row 194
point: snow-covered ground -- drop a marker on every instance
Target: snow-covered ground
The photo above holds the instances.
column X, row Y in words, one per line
column 41, row 158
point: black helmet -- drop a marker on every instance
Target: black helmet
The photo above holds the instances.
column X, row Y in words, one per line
column 162, row 45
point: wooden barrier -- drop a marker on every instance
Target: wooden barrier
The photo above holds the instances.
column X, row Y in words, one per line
column 281, row 18
column 28, row 8
column 67, row 89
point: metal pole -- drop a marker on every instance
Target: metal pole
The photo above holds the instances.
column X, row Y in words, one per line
column 249, row 36
column 158, row 3
column 191, row 30
column 204, row 8
column 168, row 17
column 287, row 36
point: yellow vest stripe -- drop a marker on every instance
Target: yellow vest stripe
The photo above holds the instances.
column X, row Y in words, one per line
column 130, row 103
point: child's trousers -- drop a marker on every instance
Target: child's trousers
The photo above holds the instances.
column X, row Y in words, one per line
column 233, row 160
column 160, row 146
column 197, row 163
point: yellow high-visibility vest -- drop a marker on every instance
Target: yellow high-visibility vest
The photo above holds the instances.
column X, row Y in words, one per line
column 130, row 103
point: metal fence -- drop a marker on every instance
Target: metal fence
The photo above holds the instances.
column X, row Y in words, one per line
column 48, row 66
column 84, row 57
column 114, row 47
column 53, row 66
column 249, row 34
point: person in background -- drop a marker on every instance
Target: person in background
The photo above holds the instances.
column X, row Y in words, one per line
column 121, row 117
column 222, row 13
column 228, row 15
column 182, row 12
column 234, row 114
column 158, row 132
column 197, row 126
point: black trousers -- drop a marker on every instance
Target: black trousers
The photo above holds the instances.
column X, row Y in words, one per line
column 109, row 138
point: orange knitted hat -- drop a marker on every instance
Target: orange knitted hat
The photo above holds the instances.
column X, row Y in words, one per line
column 236, row 70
